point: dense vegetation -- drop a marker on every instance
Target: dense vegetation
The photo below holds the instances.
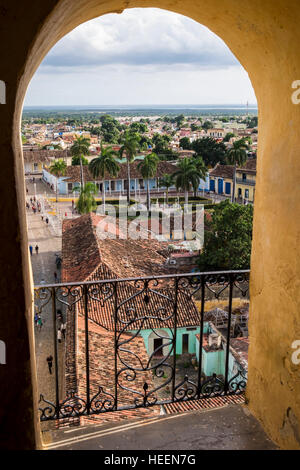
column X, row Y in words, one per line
column 228, row 238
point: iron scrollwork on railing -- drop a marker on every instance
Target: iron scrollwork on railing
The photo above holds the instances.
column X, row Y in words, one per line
column 141, row 322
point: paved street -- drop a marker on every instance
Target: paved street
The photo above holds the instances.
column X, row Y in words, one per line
column 43, row 265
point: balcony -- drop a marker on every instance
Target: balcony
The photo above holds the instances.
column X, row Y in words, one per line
column 137, row 347
column 245, row 181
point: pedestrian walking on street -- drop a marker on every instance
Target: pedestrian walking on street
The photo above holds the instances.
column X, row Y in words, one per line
column 50, row 363
column 59, row 335
column 55, row 276
column 47, row 220
column 39, row 323
column 36, row 317
column 63, row 330
column 59, row 314
column 37, row 249
column 42, row 218
column 30, row 249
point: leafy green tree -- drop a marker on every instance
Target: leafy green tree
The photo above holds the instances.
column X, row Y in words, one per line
column 227, row 243
column 207, row 125
column 179, row 120
column 110, row 129
column 148, row 168
column 145, row 142
column 130, row 149
column 251, row 122
column 80, row 148
column 167, row 181
column 58, row 168
column 161, row 147
column 139, row 127
column 228, row 136
column 185, row 143
column 86, row 202
column 237, row 156
column 105, row 163
column 211, row 151
column 195, row 127
column 186, row 177
column 76, row 160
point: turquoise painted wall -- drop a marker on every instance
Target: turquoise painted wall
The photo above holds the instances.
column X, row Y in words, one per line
column 180, row 332
column 213, row 362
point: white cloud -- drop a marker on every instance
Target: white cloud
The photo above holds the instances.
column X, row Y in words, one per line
column 140, row 37
column 143, row 56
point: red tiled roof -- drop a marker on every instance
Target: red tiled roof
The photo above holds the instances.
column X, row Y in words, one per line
column 204, row 404
column 73, row 172
column 102, row 361
column 85, row 258
column 222, row 171
column 80, row 250
column 249, row 167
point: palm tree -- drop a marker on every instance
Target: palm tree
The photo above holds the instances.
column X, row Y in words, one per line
column 201, row 169
column 58, row 168
column 130, row 148
column 186, row 177
column 148, row 168
column 104, row 163
column 167, row 181
column 80, row 148
column 86, row 202
column 237, row 155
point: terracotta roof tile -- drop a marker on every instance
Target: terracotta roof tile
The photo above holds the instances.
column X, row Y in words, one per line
column 222, row 171
column 102, row 361
column 73, row 172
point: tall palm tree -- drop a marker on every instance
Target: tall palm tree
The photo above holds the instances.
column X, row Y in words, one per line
column 104, row 163
column 148, row 168
column 201, row 169
column 186, row 177
column 58, row 168
column 237, row 156
column 167, row 181
column 130, row 149
column 86, row 202
column 80, row 148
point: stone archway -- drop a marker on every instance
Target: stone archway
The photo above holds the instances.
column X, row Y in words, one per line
column 264, row 36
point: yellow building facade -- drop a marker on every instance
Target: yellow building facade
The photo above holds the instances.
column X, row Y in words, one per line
column 245, row 182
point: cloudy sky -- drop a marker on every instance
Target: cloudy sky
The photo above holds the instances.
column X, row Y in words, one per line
column 143, row 56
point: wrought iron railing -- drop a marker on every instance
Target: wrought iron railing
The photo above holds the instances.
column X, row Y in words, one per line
column 245, row 181
column 128, row 315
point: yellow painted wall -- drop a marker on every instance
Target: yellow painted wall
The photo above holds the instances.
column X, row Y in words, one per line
column 264, row 36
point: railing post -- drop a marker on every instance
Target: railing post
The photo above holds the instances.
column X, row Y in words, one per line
column 116, row 344
column 55, row 351
column 175, row 338
column 226, row 385
column 87, row 353
column 201, row 333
